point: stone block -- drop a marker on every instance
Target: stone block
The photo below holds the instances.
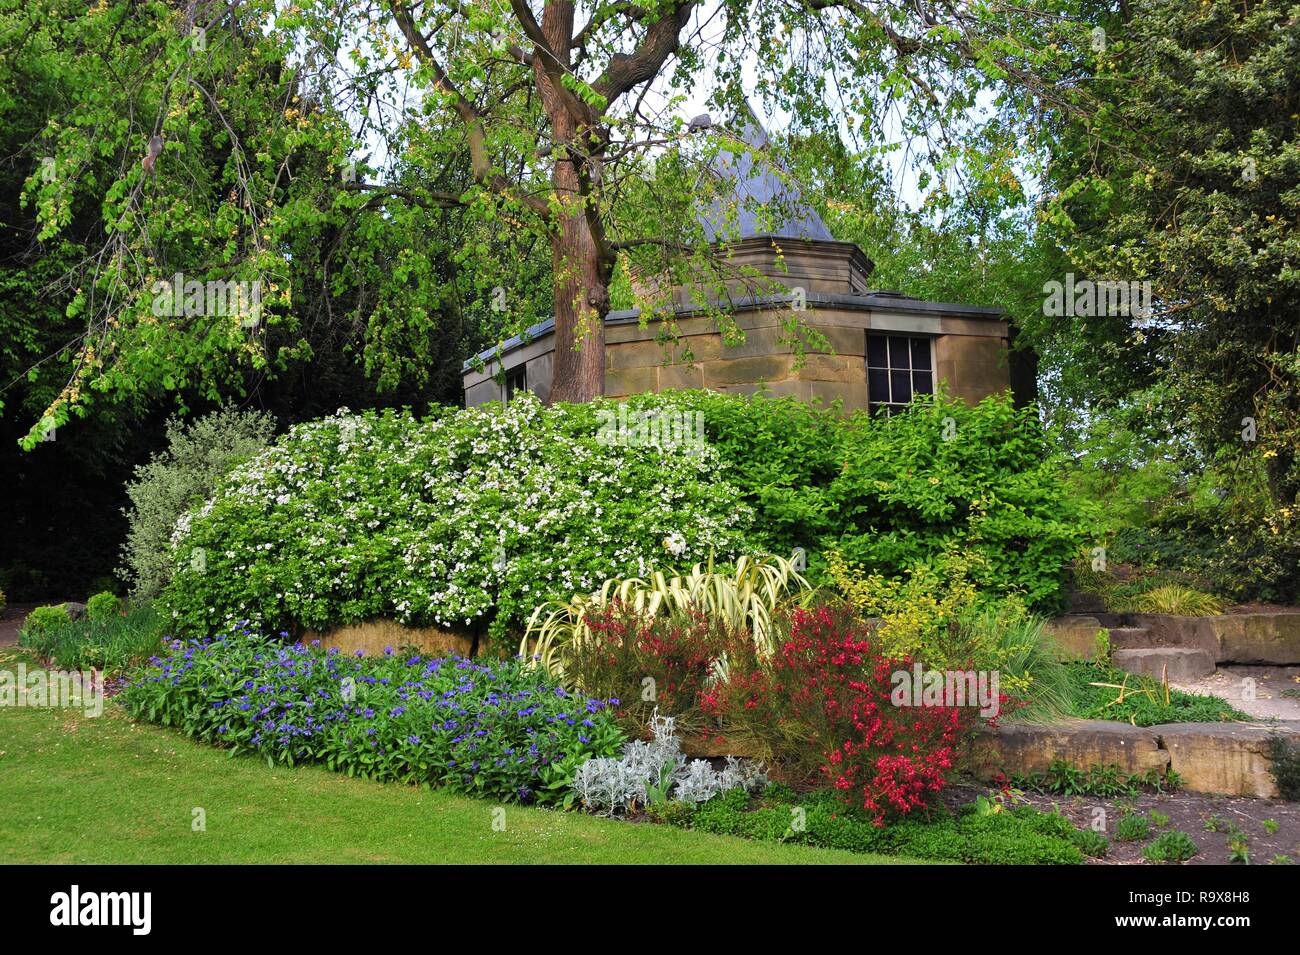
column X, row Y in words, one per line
column 1032, row 748
column 743, row 371
column 681, row 376
column 845, row 369
column 631, row 381
column 375, row 636
column 1075, row 636
column 1177, row 664
column 641, row 354
column 1230, row 759
column 1271, row 639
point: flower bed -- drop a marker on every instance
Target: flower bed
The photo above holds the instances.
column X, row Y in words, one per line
column 831, row 681
column 493, row 728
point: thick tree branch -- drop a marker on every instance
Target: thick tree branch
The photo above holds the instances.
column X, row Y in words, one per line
column 627, row 70
column 480, row 161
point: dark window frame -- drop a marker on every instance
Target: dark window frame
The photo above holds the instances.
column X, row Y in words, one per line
column 882, row 377
column 516, row 381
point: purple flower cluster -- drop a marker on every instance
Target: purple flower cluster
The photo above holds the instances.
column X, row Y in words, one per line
column 494, row 727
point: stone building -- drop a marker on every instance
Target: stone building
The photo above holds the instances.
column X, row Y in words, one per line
column 885, row 347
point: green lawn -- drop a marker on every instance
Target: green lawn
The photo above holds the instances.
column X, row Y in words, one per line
column 105, row 790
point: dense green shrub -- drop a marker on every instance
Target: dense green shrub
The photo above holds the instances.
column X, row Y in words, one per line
column 890, row 493
column 43, row 619
column 1225, row 526
column 198, row 455
column 981, row 479
column 493, row 728
column 472, row 517
column 784, row 456
column 114, row 642
column 1170, row 847
column 103, row 605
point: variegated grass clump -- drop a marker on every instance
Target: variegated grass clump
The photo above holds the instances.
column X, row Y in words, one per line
column 746, row 597
column 656, row 771
column 1179, row 600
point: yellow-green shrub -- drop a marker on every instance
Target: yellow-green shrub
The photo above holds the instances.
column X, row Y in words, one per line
column 918, row 611
column 936, row 614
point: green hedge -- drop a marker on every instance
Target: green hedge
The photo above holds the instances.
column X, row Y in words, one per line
column 892, row 492
column 473, row 517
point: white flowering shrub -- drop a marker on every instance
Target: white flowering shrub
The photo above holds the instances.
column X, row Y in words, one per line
column 655, row 771
column 468, row 520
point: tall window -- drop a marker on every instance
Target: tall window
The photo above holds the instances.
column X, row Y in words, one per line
column 898, row 367
column 516, row 381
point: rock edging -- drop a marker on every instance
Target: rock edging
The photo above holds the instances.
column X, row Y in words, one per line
column 1229, row 759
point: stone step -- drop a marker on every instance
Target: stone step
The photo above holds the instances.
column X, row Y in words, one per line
column 1083, row 602
column 1131, row 638
column 1179, row 664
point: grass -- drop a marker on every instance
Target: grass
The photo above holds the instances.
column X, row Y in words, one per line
column 1143, row 701
column 1145, row 590
column 114, row 641
column 106, row 790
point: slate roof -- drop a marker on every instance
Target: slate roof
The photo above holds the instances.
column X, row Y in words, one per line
column 757, row 186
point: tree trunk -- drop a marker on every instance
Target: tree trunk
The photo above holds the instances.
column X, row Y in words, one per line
column 581, row 303
column 579, row 261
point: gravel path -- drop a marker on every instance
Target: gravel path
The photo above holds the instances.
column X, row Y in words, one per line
column 1230, row 683
column 11, row 618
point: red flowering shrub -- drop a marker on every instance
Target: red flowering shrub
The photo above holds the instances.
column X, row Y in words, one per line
column 646, row 662
column 821, row 706
column 827, row 685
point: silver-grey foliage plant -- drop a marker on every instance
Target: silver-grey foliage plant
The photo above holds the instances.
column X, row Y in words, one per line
column 185, row 473
column 655, row 771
